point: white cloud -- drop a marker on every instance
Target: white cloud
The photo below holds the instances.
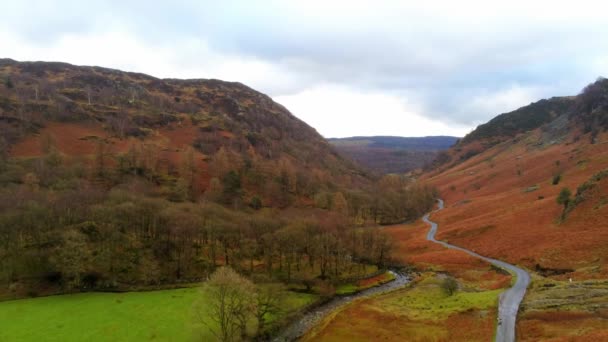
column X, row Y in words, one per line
column 337, row 111
column 501, row 101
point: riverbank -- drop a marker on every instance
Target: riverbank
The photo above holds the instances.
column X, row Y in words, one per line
column 311, row 318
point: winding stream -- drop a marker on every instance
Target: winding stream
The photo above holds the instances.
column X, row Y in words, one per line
column 298, row 328
column 509, row 301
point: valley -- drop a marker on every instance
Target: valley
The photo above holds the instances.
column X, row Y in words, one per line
column 129, row 198
column 384, row 155
column 315, row 171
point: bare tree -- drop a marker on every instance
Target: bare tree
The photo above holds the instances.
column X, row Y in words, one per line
column 269, row 301
column 226, row 305
column 88, row 90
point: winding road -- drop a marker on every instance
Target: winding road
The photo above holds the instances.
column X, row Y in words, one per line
column 509, row 301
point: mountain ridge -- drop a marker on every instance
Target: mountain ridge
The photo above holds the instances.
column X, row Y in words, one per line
column 392, row 154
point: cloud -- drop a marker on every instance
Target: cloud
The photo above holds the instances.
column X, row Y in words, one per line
column 458, row 64
column 338, row 111
column 513, row 97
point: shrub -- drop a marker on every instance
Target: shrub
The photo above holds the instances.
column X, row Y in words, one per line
column 256, row 203
column 556, row 179
column 449, row 285
column 564, row 199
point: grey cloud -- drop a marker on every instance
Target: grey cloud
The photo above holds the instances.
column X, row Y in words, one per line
column 441, row 60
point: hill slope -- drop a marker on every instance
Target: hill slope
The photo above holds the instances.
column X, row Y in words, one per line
column 383, row 154
column 501, row 193
column 221, row 125
column 111, row 180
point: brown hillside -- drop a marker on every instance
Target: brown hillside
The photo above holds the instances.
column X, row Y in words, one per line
column 501, row 201
column 78, row 108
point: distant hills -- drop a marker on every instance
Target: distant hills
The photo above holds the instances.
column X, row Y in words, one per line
column 389, row 154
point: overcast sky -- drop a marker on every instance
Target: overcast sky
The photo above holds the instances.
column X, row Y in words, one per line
column 345, row 67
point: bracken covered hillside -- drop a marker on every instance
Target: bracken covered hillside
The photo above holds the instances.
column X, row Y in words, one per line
column 505, row 199
column 82, row 108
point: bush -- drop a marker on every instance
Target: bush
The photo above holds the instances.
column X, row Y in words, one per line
column 556, row 179
column 449, row 285
column 564, row 197
column 256, row 203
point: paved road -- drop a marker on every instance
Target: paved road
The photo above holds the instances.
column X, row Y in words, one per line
column 509, row 301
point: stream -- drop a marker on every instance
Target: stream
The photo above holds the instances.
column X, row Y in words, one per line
column 300, row 327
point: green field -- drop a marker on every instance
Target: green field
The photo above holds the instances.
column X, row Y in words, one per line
column 135, row 316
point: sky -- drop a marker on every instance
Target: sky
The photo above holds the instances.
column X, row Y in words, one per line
column 347, row 68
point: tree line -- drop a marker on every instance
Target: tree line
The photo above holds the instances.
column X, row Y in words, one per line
column 64, row 226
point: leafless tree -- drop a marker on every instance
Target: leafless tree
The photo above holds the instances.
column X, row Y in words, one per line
column 228, row 302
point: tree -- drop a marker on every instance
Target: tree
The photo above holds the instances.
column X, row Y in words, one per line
column 88, row 90
column 256, row 203
column 556, row 179
column 188, row 168
column 564, row 199
column 227, row 304
column 339, row 204
column 269, row 301
column 232, row 187
column 3, row 153
column 72, row 258
column 449, row 285
column 100, row 158
column 214, row 190
column 31, row 181
column 8, row 82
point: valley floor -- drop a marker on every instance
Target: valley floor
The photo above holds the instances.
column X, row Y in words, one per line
column 555, row 310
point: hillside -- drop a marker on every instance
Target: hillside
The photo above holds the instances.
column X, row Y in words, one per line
column 112, row 180
column 384, row 155
column 502, row 202
column 122, row 110
column 501, row 186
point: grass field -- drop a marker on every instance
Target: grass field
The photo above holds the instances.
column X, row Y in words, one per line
column 135, row 316
column 422, row 312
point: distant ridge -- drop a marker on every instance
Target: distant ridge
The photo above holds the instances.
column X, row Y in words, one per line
column 391, row 154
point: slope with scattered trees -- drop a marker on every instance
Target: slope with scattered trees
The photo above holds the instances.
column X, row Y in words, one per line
column 514, row 198
column 112, row 180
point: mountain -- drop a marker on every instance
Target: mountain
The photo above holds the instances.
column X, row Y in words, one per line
column 504, row 190
column 113, row 180
column 220, row 125
column 385, row 154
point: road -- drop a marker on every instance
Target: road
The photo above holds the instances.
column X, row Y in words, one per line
column 509, row 301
